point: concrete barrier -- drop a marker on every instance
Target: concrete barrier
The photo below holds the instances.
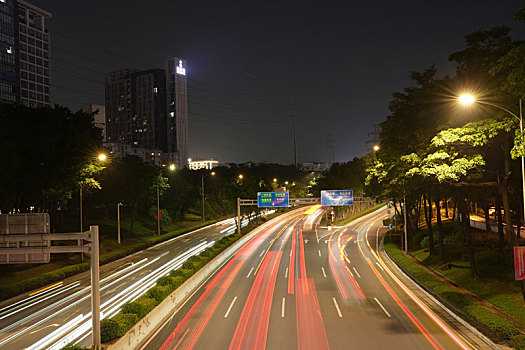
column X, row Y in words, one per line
column 136, row 335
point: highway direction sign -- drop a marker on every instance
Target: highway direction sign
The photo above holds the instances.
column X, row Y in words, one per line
column 337, row 198
column 273, row 199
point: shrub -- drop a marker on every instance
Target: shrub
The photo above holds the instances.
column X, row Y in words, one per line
column 158, row 293
column 109, row 329
column 139, row 307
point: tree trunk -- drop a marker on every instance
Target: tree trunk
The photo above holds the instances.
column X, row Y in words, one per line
column 454, row 210
column 428, row 218
column 440, row 230
column 446, row 208
column 499, row 220
column 487, row 217
column 465, row 230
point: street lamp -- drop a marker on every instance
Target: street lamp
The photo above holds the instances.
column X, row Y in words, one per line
column 172, row 168
column 102, row 157
column 274, row 180
column 376, row 148
column 118, row 221
column 469, row 99
column 202, row 184
column 241, row 176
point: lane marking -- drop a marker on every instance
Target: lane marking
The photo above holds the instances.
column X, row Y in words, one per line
column 357, row 272
column 382, row 307
column 262, row 253
column 249, row 273
column 337, row 307
column 381, row 267
column 350, row 272
column 282, row 307
column 229, row 309
column 42, row 290
column 319, row 252
column 286, row 273
column 291, row 252
column 324, row 273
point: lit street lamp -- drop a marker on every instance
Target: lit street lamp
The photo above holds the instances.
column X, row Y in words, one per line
column 469, row 99
column 376, row 148
column 172, row 168
column 202, row 184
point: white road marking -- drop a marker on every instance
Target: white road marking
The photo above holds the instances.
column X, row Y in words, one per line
column 282, row 307
column 290, row 252
column 357, row 272
column 286, row 273
column 382, row 307
column 381, row 267
column 350, row 272
column 262, row 253
column 319, row 253
column 324, row 273
column 229, row 309
column 337, row 308
column 249, row 273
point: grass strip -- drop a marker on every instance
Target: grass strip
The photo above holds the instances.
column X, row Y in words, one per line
column 497, row 328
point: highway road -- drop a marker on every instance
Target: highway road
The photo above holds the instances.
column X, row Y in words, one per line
column 300, row 286
column 61, row 313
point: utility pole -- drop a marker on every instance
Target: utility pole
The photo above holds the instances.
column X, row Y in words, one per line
column 158, row 210
column 331, row 149
column 202, row 187
column 294, row 138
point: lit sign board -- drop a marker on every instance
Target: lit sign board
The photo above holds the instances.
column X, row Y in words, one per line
column 273, row 199
column 337, row 198
column 180, row 69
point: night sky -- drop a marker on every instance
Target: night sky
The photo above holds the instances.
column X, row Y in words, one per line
column 342, row 62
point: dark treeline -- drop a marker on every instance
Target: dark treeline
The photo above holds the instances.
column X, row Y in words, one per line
column 48, row 155
column 436, row 151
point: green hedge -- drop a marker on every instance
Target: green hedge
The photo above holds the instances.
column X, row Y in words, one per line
column 496, row 327
column 131, row 313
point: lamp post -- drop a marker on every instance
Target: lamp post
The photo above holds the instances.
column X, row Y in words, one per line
column 202, row 186
column 171, row 168
column 118, row 222
column 468, row 99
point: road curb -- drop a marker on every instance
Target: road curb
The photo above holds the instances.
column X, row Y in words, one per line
column 467, row 325
column 139, row 333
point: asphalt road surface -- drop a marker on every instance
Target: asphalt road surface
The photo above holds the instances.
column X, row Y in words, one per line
column 300, row 286
column 61, row 313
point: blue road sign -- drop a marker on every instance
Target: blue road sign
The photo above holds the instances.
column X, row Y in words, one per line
column 337, row 198
column 273, row 199
column 390, row 226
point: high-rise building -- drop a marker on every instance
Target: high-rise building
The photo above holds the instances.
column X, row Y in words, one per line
column 148, row 110
column 35, row 70
column 148, row 96
column 9, row 66
column 177, row 99
column 24, row 54
column 119, row 113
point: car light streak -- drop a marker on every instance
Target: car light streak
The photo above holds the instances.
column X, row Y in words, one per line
column 112, row 306
column 134, row 269
column 252, row 329
column 423, row 307
column 42, row 342
column 44, row 289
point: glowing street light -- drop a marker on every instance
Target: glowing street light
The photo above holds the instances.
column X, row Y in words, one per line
column 274, row 180
column 376, row 148
column 466, row 99
column 172, row 167
column 241, row 176
column 102, row 157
